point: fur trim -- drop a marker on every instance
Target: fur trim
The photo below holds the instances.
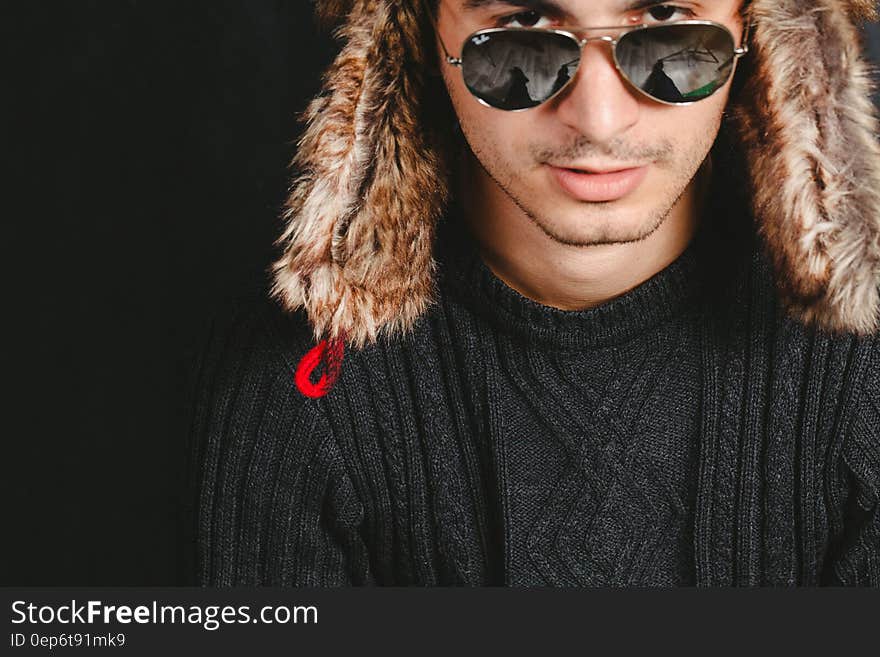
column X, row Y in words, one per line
column 808, row 128
column 372, row 181
column 864, row 9
column 330, row 12
column 361, row 216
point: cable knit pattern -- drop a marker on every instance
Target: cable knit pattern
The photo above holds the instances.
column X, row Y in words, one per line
column 682, row 434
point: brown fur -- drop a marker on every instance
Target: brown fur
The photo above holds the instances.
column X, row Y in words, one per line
column 361, row 215
column 864, row 9
column 372, row 180
column 809, row 133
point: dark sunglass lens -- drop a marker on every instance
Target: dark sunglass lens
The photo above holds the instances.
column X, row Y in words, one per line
column 677, row 63
column 517, row 69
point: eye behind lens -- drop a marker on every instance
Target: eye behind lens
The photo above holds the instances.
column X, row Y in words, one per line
column 516, row 69
column 677, row 63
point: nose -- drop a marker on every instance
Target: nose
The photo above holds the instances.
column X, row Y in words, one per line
column 598, row 103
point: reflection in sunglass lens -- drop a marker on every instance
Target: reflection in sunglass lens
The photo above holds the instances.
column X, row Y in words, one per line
column 517, row 69
column 677, row 63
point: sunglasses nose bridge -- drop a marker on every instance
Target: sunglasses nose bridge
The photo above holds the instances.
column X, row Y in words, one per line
column 604, row 37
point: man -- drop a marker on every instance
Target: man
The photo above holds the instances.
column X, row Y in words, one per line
column 594, row 334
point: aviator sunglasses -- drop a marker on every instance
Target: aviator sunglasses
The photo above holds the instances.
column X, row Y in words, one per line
column 675, row 63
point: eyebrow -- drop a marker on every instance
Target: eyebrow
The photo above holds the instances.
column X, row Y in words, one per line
column 547, row 6
column 475, row 5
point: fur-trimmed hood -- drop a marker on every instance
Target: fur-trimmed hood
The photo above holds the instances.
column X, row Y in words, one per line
column 372, row 174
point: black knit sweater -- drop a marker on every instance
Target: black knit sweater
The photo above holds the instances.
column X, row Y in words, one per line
column 684, row 433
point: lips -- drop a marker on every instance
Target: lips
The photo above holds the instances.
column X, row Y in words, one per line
column 598, row 186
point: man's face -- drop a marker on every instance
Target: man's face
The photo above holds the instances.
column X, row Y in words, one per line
column 597, row 123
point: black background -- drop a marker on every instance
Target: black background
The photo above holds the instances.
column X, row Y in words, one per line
column 146, row 148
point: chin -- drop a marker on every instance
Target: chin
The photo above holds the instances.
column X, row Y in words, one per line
column 601, row 224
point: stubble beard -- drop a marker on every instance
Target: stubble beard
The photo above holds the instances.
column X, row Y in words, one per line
column 598, row 226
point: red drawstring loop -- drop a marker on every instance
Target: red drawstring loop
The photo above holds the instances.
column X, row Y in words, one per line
column 329, row 353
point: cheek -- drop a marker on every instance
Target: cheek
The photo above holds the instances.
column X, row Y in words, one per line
column 500, row 140
column 483, row 127
column 688, row 129
column 487, row 129
column 707, row 119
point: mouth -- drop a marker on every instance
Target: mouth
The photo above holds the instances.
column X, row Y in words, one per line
column 600, row 170
column 598, row 185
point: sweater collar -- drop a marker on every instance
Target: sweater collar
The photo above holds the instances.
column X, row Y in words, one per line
column 464, row 273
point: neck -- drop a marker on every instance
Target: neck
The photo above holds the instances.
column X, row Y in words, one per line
column 562, row 275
